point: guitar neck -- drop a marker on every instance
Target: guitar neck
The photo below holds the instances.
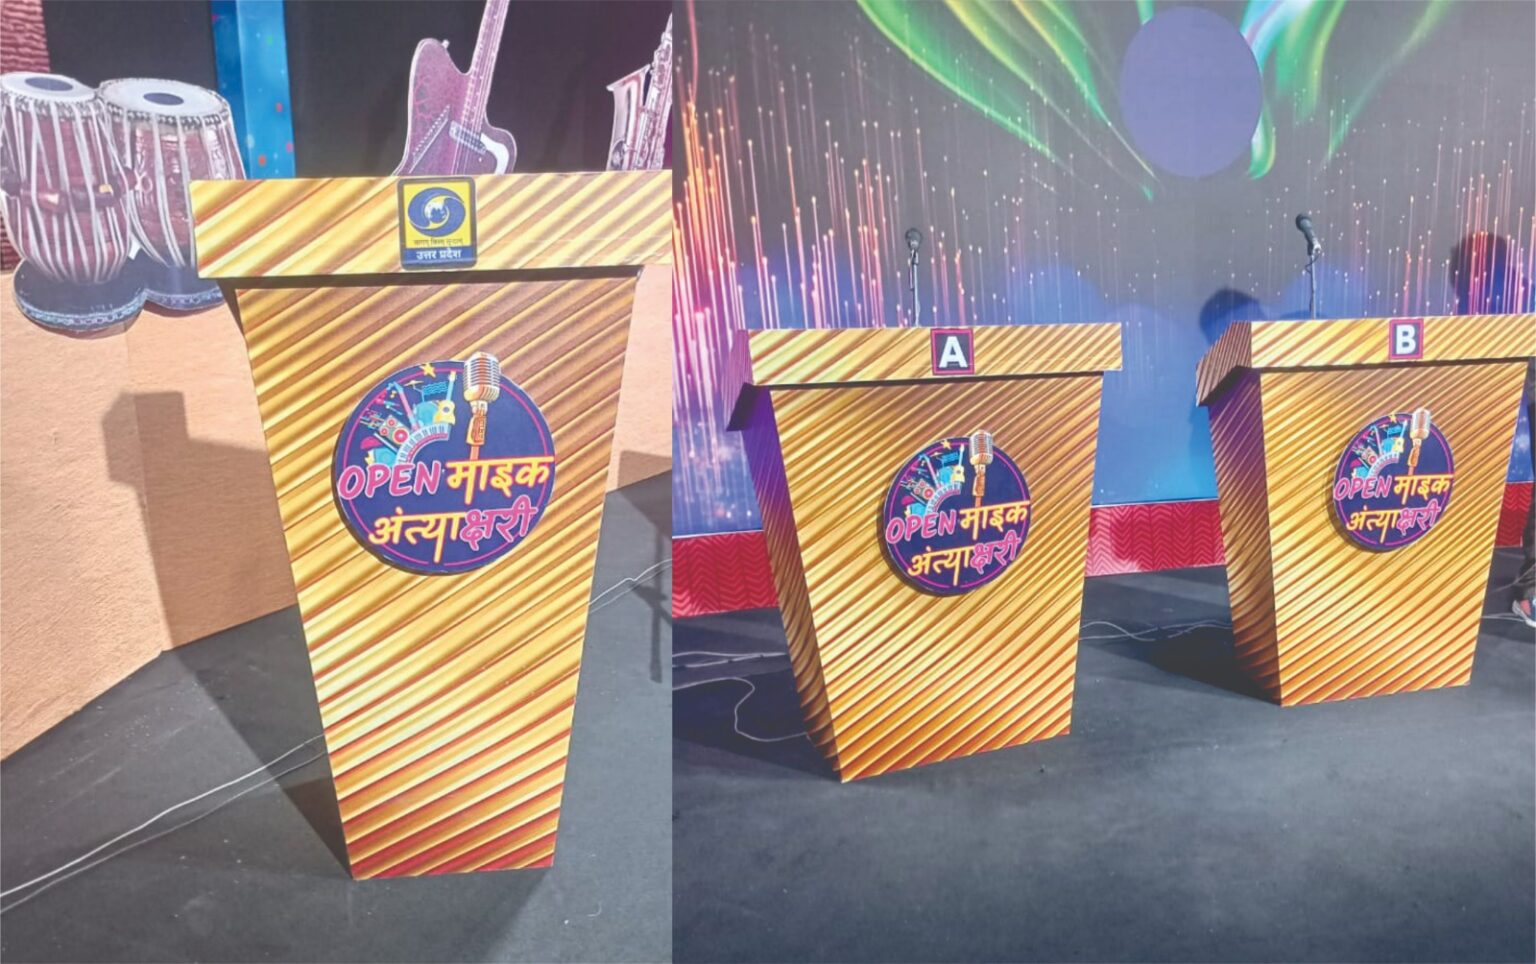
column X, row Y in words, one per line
column 483, row 64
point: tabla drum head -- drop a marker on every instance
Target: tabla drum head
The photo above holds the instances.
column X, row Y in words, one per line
column 55, row 88
column 166, row 98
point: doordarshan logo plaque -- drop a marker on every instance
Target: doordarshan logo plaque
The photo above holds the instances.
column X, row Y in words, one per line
column 437, row 223
column 444, row 467
column 1394, row 481
column 956, row 515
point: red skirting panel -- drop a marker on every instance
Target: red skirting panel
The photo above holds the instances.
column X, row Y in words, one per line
column 721, row 574
column 1516, row 513
column 1148, row 536
column 729, row 572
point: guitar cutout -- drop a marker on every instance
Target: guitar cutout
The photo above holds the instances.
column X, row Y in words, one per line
column 446, row 130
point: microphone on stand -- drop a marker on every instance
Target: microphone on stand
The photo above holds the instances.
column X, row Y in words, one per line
column 1304, row 225
column 482, row 386
column 981, row 457
column 1314, row 251
column 1418, row 431
column 914, row 242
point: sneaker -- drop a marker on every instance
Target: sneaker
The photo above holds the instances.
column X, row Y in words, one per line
column 1526, row 610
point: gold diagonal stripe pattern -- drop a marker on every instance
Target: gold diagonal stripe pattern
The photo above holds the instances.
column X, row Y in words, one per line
column 910, row 678
column 762, row 447
column 339, row 226
column 1237, row 439
column 867, row 355
column 1361, row 341
column 1364, row 341
column 1351, row 622
column 1316, row 617
column 447, row 701
column 1231, row 352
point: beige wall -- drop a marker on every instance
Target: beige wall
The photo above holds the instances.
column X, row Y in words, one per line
column 79, row 603
column 136, row 506
column 642, row 437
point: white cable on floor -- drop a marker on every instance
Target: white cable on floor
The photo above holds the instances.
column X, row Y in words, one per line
column 710, row 652
column 163, row 813
column 736, row 711
column 627, row 582
column 594, row 605
column 1519, row 577
column 729, row 658
column 1144, row 636
column 1509, row 616
column 168, row 830
column 740, row 657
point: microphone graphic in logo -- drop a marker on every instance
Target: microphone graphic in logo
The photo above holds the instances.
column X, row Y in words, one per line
column 482, row 386
column 981, row 457
column 1418, row 431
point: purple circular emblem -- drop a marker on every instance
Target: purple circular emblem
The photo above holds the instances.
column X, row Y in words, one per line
column 1394, row 481
column 444, row 467
column 956, row 515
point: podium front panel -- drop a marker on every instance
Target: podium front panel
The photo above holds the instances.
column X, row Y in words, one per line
column 440, row 443
column 1361, row 466
column 1237, row 442
column 447, row 697
column 1356, row 621
column 892, row 675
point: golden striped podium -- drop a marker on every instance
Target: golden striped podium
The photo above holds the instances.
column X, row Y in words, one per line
column 925, row 497
column 1360, row 466
column 437, row 365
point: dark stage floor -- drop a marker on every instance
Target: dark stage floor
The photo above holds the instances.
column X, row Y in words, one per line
column 1182, row 819
column 251, row 872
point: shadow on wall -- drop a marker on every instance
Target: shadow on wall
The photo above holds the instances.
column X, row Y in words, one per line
column 655, row 472
column 195, row 497
column 1479, row 273
column 1224, row 307
column 210, row 549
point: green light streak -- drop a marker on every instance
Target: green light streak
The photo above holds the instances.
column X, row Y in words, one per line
column 1289, row 39
column 1433, row 14
column 1261, row 149
column 1298, row 55
column 1314, row 75
column 1043, row 46
column 1067, row 44
column 1029, row 41
column 1076, row 54
column 941, row 60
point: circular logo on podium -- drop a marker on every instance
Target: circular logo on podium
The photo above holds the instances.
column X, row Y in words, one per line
column 1394, row 480
column 956, row 515
column 436, row 211
column 444, row 467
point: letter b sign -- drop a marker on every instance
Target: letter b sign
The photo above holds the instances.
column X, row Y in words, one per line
column 1405, row 338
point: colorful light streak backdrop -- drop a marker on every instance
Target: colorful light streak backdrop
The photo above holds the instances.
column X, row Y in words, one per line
column 815, row 134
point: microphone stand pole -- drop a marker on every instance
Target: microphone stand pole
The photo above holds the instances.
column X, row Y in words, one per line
column 1312, row 283
column 917, row 309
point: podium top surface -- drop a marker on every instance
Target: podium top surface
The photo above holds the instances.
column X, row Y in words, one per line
column 1356, row 342
column 797, row 357
column 353, row 225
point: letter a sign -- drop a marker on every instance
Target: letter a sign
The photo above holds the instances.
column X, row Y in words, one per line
column 952, row 353
column 1405, row 338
